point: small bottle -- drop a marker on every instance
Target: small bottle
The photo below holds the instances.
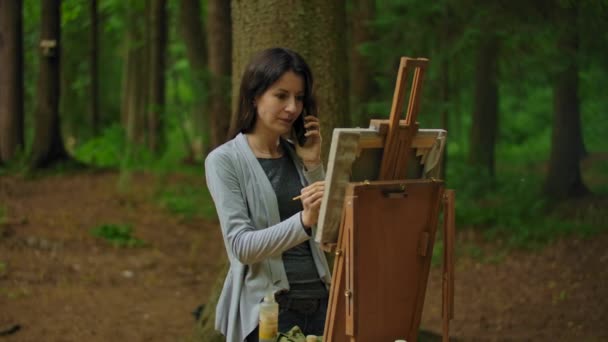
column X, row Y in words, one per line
column 269, row 319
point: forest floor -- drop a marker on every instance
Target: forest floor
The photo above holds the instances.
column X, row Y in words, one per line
column 58, row 282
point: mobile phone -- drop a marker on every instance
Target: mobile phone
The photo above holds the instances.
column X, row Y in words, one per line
column 299, row 130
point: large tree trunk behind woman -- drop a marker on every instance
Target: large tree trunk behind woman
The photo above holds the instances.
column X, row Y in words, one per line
column 312, row 28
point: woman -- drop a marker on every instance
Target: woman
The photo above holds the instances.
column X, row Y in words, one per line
column 274, row 156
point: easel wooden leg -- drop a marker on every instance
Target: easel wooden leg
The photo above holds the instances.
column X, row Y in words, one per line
column 335, row 324
column 448, row 263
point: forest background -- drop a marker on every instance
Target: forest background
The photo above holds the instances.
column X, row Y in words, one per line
column 147, row 87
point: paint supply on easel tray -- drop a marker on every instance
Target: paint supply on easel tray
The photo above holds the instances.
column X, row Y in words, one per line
column 269, row 319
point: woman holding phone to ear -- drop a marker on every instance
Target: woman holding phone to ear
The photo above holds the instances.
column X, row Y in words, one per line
column 275, row 155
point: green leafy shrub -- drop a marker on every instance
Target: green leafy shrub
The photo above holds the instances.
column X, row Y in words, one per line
column 106, row 150
column 511, row 207
column 118, row 235
column 187, row 201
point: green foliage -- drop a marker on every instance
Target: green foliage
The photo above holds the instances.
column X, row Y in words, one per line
column 187, row 201
column 111, row 149
column 594, row 107
column 71, row 11
column 119, row 235
column 14, row 293
column 106, row 150
column 485, row 202
column 596, row 176
column 437, row 256
column 510, row 208
column 3, row 268
column 31, row 37
column 175, row 150
column 474, row 252
column 19, row 164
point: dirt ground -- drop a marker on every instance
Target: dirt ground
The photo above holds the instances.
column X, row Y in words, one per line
column 59, row 283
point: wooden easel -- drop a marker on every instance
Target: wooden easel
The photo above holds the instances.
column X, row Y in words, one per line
column 386, row 237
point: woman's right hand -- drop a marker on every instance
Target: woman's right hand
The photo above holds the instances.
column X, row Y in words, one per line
column 312, row 196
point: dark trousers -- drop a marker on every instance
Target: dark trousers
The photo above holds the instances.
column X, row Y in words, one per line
column 308, row 314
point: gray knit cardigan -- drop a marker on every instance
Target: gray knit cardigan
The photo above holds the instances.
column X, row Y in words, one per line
column 253, row 233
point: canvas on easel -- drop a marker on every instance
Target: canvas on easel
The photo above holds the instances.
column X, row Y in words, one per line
column 380, row 215
column 355, row 155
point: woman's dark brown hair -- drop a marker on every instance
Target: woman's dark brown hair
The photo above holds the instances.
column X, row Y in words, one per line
column 264, row 69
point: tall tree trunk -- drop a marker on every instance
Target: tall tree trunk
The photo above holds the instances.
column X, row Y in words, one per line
column 156, row 103
column 11, row 79
column 361, row 80
column 69, row 102
column 485, row 114
column 191, row 30
column 48, row 145
column 195, row 38
column 93, row 53
column 564, row 174
column 135, row 74
column 220, row 64
column 313, row 29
